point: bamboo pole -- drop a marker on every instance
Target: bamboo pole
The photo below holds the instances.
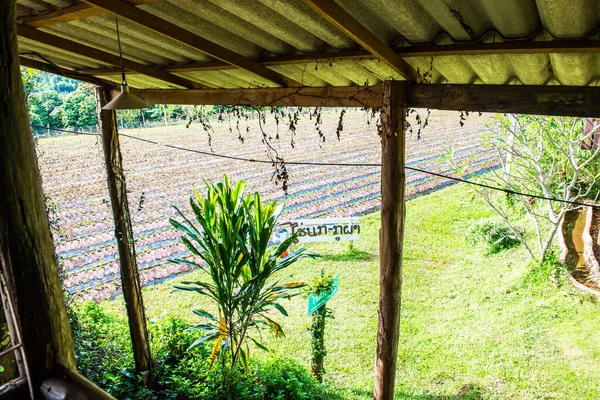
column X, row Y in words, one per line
column 130, row 280
column 27, row 257
column 391, row 237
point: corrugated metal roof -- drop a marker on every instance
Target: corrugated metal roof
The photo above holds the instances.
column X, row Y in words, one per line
column 263, row 28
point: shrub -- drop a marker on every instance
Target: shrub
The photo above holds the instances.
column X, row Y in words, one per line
column 497, row 235
column 281, row 378
column 101, row 342
column 104, row 356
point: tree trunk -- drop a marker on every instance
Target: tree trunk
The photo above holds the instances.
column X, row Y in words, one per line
column 124, row 234
column 391, row 237
column 27, row 256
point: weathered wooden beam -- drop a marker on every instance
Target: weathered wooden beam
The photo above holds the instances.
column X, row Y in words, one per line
column 574, row 101
column 578, row 101
column 459, row 49
column 27, row 258
column 351, row 96
column 73, row 13
column 90, row 52
column 342, row 19
column 130, row 280
column 68, row 14
column 514, row 47
column 391, row 237
column 53, row 69
column 287, row 59
column 172, row 31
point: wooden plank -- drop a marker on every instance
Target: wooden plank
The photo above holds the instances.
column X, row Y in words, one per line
column 461, row 49
column 514, row 47
column 575, row 101
column 27, row 258
column 339, row 17
column 68, row 14
column 287, row 59
column 287, row 97
column 130, row 280
column 391, row 237
column 53, row 69
column 90, row 52
column 172, row 31
column 549, row 100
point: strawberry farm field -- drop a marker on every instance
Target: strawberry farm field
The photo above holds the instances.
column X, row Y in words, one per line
column 158, row 176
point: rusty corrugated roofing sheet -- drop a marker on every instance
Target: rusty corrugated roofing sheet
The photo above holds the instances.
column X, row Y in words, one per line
column 263, row 28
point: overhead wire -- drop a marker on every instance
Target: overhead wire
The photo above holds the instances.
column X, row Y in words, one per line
column 334, row 164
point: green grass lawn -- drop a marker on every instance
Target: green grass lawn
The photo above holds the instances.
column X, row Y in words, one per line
column 473, row 326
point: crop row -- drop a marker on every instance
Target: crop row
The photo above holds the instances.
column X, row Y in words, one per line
column 159, row 177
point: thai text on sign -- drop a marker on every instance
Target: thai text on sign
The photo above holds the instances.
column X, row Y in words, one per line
column 320, row 230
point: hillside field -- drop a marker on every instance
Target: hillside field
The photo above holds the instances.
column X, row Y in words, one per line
column 158, row 177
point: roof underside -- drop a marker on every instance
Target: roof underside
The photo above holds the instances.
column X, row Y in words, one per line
column 261, row 29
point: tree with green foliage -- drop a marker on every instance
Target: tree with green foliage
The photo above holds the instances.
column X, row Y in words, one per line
column 79, row 108
column 231, row 241
column 30, row 82
column 45, row 108
column 541, row 156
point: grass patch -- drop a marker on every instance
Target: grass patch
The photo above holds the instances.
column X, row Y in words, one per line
column 473, row 326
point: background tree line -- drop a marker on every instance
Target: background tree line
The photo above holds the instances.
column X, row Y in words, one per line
column 55, row 102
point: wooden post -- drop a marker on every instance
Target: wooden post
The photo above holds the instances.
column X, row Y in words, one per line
column 391, row 237
column 130, row 280
column 27, row 257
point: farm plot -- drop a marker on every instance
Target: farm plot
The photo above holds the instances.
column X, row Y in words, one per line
column 158, row 177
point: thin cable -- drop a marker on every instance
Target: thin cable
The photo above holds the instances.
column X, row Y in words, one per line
column 120, row 52
column 331, row 164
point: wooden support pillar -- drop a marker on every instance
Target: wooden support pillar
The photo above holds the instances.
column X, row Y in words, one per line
column 391, row 237
column 130, row 280
column 27, row 257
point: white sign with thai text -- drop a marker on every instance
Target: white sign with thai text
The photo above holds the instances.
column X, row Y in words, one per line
column 320, row 230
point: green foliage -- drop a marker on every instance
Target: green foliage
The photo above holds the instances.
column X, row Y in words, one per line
column 496, row 234
column 323, row 282
column 231, row 237
column 104, row 356
column 550, row 268
column 29, row 78
column 283, row 379
column 320, row 284
column 45, row 108
column 79, row 110
column 100, row 342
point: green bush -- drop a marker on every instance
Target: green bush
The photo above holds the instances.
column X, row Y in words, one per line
column 496, row 234
column 281, row 378
column 101, row 343
column 103, row 352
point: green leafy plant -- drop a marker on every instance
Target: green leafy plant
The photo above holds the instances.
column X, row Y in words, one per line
column 497, row 235
column 231, row 240
column 322, row 283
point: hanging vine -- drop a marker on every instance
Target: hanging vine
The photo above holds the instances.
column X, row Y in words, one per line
column 239, row 117
column 463, row 117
